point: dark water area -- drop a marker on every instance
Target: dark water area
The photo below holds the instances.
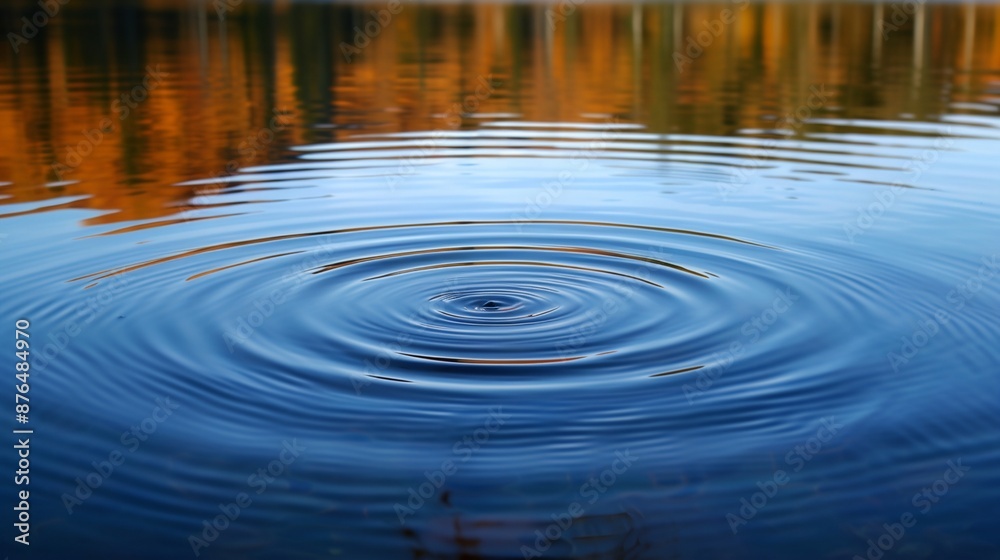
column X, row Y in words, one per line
column 605, row 281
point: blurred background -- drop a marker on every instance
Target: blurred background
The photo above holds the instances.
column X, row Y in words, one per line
column 228, row 76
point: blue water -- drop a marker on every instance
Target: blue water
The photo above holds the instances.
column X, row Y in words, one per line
column 530, row 335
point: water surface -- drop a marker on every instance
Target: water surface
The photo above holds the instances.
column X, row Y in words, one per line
column 498, row 271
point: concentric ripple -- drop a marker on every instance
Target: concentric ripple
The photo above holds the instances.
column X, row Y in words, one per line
column 515, row 295
column 460, row 296
column 634, row 305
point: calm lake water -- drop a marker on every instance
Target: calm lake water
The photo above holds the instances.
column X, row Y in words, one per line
column 606, row 281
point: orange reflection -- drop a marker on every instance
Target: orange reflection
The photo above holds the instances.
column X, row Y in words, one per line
column 228, row 79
